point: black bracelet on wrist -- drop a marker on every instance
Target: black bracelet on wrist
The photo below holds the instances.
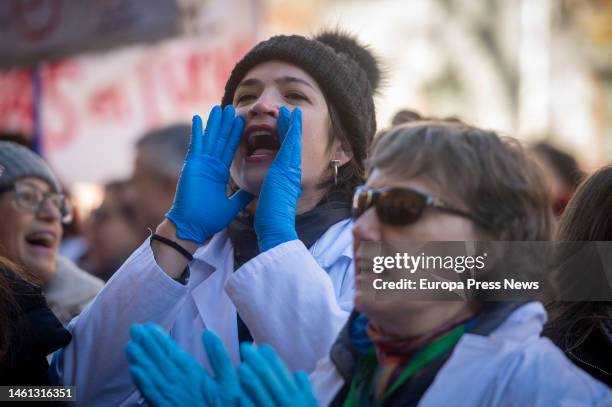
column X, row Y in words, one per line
column 174, row 245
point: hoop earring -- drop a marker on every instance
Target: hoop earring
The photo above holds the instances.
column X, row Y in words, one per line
column 335, row 164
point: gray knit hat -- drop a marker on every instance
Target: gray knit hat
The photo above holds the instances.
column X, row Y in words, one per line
column 18, row 162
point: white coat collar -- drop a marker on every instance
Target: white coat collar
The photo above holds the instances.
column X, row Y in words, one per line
column 211, row 252
column 336, row 242
column 524, row 323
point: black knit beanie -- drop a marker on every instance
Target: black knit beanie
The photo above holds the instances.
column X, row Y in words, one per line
column 346, row 71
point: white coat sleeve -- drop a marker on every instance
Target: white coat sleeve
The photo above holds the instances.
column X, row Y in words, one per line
column 326, row 382
column 95, row 360
column 288, row 301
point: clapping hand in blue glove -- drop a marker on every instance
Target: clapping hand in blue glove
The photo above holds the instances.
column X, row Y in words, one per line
column 227, row 383
column 201, row 206
column 281, row 189
column 167, row 376
column 268, row 382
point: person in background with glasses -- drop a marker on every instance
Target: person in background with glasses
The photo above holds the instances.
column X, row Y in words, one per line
column 32, row 211
column 428, row 182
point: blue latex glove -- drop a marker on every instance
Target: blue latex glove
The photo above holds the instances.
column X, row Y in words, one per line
column 226, row 380
column 201, row 206
column 167, row 376
column 268, row 382
column 281, row 189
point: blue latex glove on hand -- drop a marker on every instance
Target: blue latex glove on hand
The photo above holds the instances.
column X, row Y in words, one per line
column 201, row 206
column 268, row 382
column 281, row 189
column 167, row 376
column 227, row 383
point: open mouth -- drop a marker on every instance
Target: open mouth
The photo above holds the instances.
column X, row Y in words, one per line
column 262, row 143
column 41, row 240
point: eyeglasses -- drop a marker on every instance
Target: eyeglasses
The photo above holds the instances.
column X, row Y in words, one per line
column 32, row 199
column 401, row 206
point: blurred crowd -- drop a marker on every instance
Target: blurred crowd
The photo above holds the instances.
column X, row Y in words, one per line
column 168, row 245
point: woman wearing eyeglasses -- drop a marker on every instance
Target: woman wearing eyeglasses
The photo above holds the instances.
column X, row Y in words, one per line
column 32, row 210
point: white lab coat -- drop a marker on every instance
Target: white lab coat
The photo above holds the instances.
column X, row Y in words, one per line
column 293, row 298
column 512, row 366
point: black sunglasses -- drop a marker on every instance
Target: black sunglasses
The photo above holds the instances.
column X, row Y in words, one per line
column 401, row 206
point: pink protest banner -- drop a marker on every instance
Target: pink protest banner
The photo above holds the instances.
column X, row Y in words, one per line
column 94, row 106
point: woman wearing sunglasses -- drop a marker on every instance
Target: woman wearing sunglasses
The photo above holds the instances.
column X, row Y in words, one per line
column 429, row 181
column 269, row 262
column 448, row 182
